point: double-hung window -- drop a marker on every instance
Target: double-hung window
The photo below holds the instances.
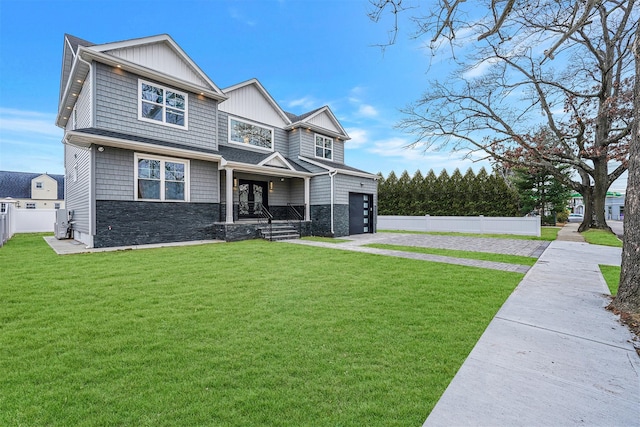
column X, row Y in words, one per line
column 162, row 179
column 161, row 104
column 243, row 132
column 324, row 147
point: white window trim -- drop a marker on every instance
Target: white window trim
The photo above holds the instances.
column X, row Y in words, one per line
column 247, row 145
column 333, row 143
column 164, row 111
column 187, row 177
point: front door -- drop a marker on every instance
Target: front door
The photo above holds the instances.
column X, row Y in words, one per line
column 360, row 213
column 252, row 198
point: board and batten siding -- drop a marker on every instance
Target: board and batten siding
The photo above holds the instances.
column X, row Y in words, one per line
column 117, row 110
column 324, row 121
column 159, row 56
column 250, row 103
column 78, row 186
column 115, row 172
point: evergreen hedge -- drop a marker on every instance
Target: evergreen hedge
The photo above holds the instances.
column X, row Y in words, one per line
column 470, row 194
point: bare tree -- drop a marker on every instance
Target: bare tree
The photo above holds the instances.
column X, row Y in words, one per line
column 588, row 104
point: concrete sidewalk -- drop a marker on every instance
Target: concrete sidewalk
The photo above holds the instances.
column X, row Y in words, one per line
column 552, row 356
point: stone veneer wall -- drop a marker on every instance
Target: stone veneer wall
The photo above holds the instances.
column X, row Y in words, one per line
column 125, row 223
column 321, row 220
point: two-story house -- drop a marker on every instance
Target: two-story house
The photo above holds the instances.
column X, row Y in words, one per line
column 26, row 190
column 155, row 152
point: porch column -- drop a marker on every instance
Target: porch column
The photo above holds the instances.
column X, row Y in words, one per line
column 307, row 199
column 229, row 196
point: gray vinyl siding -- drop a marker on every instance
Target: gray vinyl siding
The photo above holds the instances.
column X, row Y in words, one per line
column 296, row 189
column 345, row 184
column 115, row 170
column 78, row 192
column 84, row 106
column 114, row 174
column 117, row 110
column 204, row 182
column 320, row 188
column 294, row 143
column 308, row 146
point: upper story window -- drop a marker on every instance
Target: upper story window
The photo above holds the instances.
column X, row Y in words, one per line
column 38, row 184
column 160, row 178
column 160, row 104
column 324, row 147
column 243, row 132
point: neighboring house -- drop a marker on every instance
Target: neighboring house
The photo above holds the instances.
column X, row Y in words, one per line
column 31, row 190
column 613, row 205
column 156, row 152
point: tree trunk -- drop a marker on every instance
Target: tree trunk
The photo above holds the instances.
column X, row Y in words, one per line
column 628, row 298
column 600, row 194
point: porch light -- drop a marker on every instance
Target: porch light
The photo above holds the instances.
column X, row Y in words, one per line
column 271, row 185
column 235, row 182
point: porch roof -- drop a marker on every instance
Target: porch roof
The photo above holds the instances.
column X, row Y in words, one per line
column 230, row 154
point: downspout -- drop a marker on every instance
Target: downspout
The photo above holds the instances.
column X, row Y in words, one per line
column 92, row 159
column 331, row 175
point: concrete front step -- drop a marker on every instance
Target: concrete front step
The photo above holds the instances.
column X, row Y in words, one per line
column 279, row 232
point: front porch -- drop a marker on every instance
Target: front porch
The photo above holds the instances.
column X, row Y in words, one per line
column 261, row 229
column 263, row 201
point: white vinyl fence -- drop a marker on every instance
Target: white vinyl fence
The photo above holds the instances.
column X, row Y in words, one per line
column 524, row 226
column 25, row 221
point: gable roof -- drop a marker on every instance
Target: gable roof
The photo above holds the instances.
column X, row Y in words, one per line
column 18, row 184
column 245, row 93
column 141, row 56
column 160, row 53
column 321, row 120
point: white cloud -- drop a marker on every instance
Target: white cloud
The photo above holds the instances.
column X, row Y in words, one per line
column 238, row 16
column 366, row 110
column 28, row 122
column 305, row 102
column 30, row 141
column 359, row 138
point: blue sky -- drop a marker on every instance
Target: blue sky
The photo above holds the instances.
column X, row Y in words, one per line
column 306, row 53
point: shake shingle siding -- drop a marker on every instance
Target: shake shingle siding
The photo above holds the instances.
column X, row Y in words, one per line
column 308, row 146
column 117, row 110
column 345, row 184
column 115, row 179
column 114, row 174
column 204, row 182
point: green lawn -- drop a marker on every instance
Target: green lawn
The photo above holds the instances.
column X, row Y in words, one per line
column 249, row 333
column 482, row 256
column 601, row 237
column 324, row 239
column 546, row 233
column 611, row 275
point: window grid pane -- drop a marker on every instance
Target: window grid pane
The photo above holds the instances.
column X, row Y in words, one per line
column 151, row 180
